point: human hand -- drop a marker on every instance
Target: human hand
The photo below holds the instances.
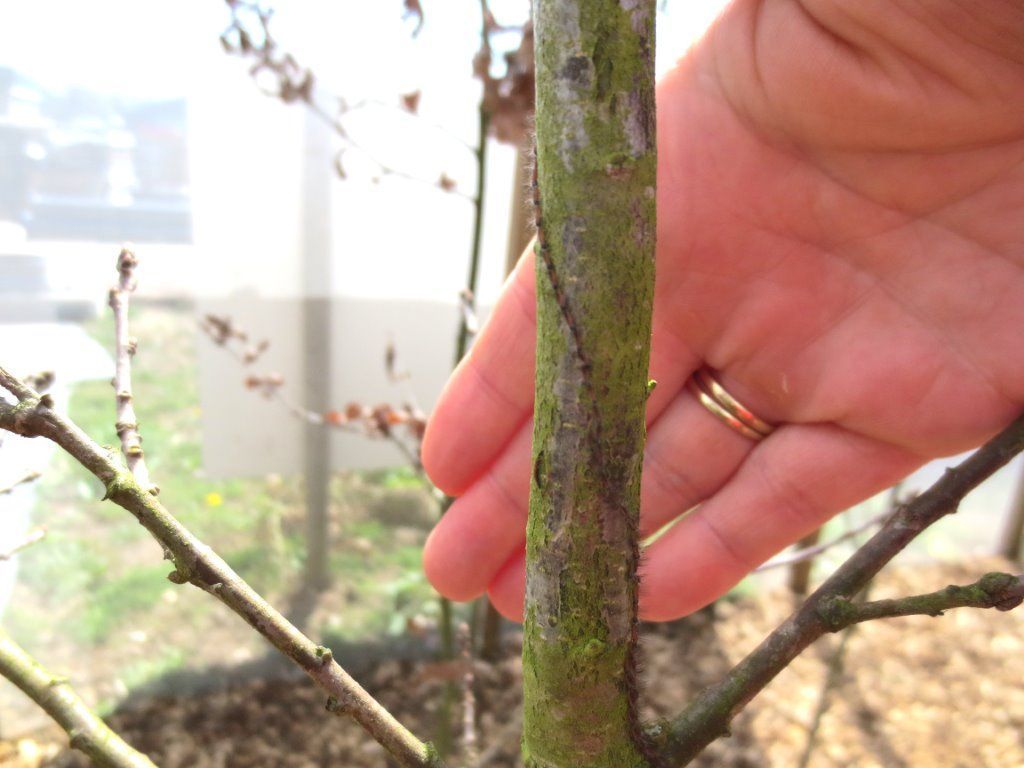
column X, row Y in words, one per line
column 840, row 237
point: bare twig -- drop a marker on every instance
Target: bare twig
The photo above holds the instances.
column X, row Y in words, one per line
column 58, row 699
column 470, row 748
column 467, row 295
column 808, row 553
column 279, row 75
column 32, row 537
column 833, row 678
column 1001, row 591
column 379, row 421
column 125, row 346
column 197, row 564
column 830, row 607
column 31, row 477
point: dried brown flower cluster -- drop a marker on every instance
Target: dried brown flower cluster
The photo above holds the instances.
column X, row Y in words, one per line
column 508, row 99
column 249, row 36
column 279, row 75
column 373, row 421
column 222, row 330
column 380, row 419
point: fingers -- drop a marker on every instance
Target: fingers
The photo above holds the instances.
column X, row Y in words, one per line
column 484, row 527
column 508, row 589
column 490, row 394
column 690, row 454
column 790, row 485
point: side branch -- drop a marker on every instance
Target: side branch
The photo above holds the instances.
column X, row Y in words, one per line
column 87, row 732
column 993, row 590
column 31, row 477
column 809, row 553
column 829, row 608
column 127, row 422
column 196, row 563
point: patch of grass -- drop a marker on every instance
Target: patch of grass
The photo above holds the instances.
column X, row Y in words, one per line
column 112, row 605
column 69, row 566
column 394, row 478
column 370, row 529
column 266, row 567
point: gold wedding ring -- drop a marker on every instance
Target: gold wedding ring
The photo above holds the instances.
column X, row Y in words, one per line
column 726, row 408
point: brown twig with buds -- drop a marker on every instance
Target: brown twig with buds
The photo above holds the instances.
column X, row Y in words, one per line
column 125, row 347
column 31, row 477
column 197, row 564
column 279, row 75
column 32, row 537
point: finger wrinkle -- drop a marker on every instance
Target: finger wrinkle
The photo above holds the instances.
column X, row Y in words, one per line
column 491, row 389
column 786, row 496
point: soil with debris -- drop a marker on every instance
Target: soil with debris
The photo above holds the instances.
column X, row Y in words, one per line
column 914, row 692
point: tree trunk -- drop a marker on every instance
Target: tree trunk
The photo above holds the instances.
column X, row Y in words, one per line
column 595, row 280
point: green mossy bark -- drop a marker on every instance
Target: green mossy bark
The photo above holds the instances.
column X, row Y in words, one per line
column 87, row 732
column 595, row 277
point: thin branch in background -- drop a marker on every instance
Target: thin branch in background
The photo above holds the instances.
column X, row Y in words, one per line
column 414, row 10
column 830, row 607
column 32, row 537
column 467, row 303
column 508, row 98
column 125, row 346
column 57, row 698
column 278, row 74
column 470, row 746
column 833, row 679
column 31, row 477
column 394, row 375
column 809, row 553
column 197, row 564
column 379, row 421
column 836, row 662
column 223, row 331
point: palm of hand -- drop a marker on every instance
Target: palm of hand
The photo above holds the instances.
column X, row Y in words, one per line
column 864, row 293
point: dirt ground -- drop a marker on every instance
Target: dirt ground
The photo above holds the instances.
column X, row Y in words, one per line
column 915, row 692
